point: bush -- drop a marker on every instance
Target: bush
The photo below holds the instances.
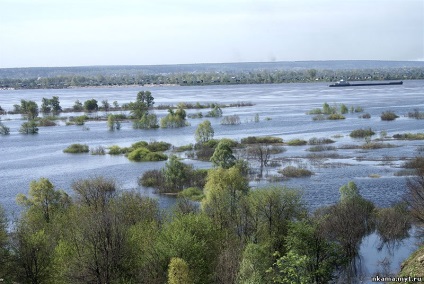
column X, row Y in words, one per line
column 365, row 115
column 416, row 114
column 259, row 140
column 147, row 121
column 296, row 142
column 409, row 136
column 231, row 120
column 152, row 178
column 76, row 148
column 335, row 116
column 320, row 141
column 46, row 122
column 4, row 130
column 115, row 150
column 158, row 146
column 388, row 115
column 99, row 150
column 319, row 117
column 291, row 171
column 376, row 145
column 320, row 148
column 192, row 193
column 29, row 127
column 361, row 133
column 144, row 155
column 184, row 148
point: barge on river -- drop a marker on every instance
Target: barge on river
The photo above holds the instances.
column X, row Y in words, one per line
column 343, row 83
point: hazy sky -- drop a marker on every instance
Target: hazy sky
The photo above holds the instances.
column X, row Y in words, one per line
column 137, row 32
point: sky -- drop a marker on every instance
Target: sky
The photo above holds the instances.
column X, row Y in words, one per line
column 53, row 33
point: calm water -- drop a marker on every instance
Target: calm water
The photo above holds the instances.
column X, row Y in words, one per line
column 28, row 157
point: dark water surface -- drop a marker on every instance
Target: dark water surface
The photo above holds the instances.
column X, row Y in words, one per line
column 28, row 157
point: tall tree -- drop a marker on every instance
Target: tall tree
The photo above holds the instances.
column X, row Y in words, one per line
column 223, row 155
column 204, row 132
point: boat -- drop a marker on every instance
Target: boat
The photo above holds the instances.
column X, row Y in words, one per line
column 343, row 83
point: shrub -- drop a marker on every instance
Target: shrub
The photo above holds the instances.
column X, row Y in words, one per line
column 184, row 148
column 335, row 116
column 296, row 142
column 144, row 155
column 416, row 163
column 377, row 145
column 4, row 130
column 139, row 144
column 320, row 141
column 147, row 121
column 230, row 120
column 409, row 136
column 388, row 115
column 358, row 109
column 264, row 140
column 291, row 171
column 99, row 150
column 319, row 117
column 343, row 109
column 115, row 150
column 46, row 122
column 215, row 112
column 152, row 178
column 365, row 115
column 192, row 193
column 29, row 127
column 361, row 133
column 76, row 148
column 158, row 146
column 320, row 148
column 416, row 114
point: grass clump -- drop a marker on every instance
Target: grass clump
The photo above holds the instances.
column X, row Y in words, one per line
column 361, row 133
column 297, row 142
column 46, row 122
column 184, row 148
column 77, row 148
column 294, row 172
column 388, row 115
column 376, row 145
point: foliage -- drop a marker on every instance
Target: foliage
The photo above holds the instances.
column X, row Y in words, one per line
column 319, row 148
column 115, row 150
column 417, row 114
column 146, row 98
column 365, row 116
column 296, row 142
column 29, row 109
column 192, row 193
column 77, row 106
column 51, row 105
column 144, row 155
column 29, row 127
column 99, row 150
column 320, row 141
column 291, row 268
column 335, row 116
column 215, row 112
column 46, row 122
column 265, row 140
column 361, row 133
column 295, row 172
column 409, row 136
column 113, row 122
column 343, row 109
column 223, row 156
column 231, row 120
column 254, row 263
column 76, row 148
column 388, row 115
column 178, row 272
column 147, row 121
column 174, row 119
column 91, row 105
column 204, row 132
column 4, row 130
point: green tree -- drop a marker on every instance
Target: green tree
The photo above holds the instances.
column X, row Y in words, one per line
column 113, row 123
column 146, row 98
column 224, row 189
column 78, row 106
column 349, row 191
column 204, row 132
column 45, row 105
column 223, row 155
column 91, row 105
column 5, row 260
column 29, row 109
column 178, row 272
column 175, row 173
column 43, row 199
column 147, row 121
column 55, row 105
column 291, row 268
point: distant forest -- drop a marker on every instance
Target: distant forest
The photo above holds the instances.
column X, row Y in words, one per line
column 209, row 74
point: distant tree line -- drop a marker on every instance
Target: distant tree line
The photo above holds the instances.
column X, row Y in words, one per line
column 210, row 78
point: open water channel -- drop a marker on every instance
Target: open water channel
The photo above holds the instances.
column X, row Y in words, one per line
column 282, row 111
